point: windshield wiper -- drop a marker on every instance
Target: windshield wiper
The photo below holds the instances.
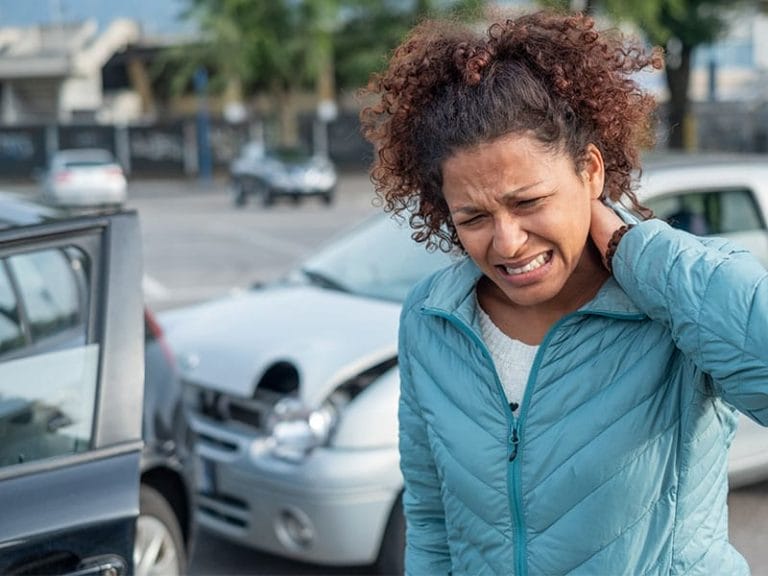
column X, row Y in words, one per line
column 323, row 281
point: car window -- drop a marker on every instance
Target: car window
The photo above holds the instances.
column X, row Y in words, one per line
column 48, row 283
column 87, row 163
column 739, row 212
column 11, row 335
column 379, row 259
column 289, row 155
column 709, row 212
column 48, row 380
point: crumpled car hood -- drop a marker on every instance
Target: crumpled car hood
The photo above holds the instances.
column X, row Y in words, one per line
column 329, row 336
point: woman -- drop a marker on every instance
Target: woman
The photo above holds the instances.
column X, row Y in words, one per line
column 569, row 389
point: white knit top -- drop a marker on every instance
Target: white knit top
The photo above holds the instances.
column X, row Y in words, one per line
column 513, row 358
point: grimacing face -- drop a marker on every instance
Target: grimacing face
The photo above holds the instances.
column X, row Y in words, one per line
column 522, row 213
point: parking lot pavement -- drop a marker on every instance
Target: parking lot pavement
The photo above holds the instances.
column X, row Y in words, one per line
column 350, row 184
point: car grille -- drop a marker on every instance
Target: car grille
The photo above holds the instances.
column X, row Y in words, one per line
column 220, row 407
column 223, row 508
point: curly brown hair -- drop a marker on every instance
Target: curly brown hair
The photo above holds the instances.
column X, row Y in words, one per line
column 449, row 87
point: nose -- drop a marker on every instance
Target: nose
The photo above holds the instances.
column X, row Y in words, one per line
column 508, row 237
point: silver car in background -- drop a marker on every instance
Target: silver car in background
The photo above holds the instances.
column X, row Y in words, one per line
column 269, row 174
column 84, row 178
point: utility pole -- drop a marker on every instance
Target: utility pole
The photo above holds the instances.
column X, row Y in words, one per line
column 205, row 161
column 327, row 110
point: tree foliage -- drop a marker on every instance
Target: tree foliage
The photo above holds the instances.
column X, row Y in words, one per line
column 281, row 47
column 284, row 41
column 680, row 26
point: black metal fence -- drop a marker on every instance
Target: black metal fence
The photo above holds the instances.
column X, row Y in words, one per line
column 172, row 149
column 732, row 127
column 167, row 149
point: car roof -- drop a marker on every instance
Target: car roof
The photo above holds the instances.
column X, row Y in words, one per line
column 16, row 211
column 675, row 172
column 662, row 160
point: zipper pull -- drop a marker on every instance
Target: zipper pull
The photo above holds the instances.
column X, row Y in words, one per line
column 515, row 441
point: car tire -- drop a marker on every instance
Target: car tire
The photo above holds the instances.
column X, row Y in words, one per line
column 159, row 546
column 239, row 194
column 267, row 198
column 328, row 198
column 392, row 552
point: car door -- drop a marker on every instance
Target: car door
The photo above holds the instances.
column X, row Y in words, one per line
column 71, row 386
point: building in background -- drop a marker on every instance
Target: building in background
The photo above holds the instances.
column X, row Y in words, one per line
column 53, row 73
column 736, row 67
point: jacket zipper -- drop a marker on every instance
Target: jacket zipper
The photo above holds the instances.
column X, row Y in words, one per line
column 517, row 435
column 513, row 435
column 515, row 425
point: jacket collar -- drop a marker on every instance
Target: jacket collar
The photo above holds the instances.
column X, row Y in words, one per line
column 452, row 291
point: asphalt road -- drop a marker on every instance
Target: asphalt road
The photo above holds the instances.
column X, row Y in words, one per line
column 198, row 246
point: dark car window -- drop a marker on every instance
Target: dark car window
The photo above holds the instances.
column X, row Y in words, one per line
column 47, row 383
column 87, row 163
column 49, row 288
column 710, row 212
column 11, row 335
column 289, row 155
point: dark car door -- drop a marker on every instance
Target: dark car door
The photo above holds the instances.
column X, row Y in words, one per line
column 71, row 386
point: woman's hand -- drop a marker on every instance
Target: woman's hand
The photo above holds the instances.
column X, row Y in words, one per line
column 604, row 223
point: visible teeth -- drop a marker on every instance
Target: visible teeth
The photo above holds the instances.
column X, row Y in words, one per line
column 540, row 260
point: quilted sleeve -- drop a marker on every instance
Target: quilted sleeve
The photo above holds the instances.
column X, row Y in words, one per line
column 426, row 550
column 713, row 297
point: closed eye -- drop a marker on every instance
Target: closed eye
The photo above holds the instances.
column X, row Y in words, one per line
column 470, row 221
column 529, row 202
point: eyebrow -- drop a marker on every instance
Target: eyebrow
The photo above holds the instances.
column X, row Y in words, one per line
column 469, row 209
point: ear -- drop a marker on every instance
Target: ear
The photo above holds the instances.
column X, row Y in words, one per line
column 593, row 173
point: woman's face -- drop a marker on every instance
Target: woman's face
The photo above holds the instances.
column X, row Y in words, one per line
column 522, row 214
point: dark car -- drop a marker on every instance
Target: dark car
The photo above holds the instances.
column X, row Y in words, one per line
column 281, row 172
column 46, row 295
column 71, row 390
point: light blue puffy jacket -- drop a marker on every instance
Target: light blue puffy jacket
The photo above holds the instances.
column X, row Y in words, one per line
column 618, row 462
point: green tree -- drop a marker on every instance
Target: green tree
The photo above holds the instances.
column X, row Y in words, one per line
column 680, row 26
column 271, row 47
column 281, row 47
column 373, row 28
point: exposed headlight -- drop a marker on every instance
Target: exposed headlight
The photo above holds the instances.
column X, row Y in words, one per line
column 296, row 430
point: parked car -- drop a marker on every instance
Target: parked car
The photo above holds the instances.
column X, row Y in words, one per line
column 84, row 178
column 53, row 284
column 714, row 194
column 292, row 388
column 70, row 395
column 288, row 172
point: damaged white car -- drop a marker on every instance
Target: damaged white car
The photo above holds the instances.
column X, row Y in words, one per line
column 292, row 392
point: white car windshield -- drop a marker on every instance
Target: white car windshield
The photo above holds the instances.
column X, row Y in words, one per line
column 378, row 260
